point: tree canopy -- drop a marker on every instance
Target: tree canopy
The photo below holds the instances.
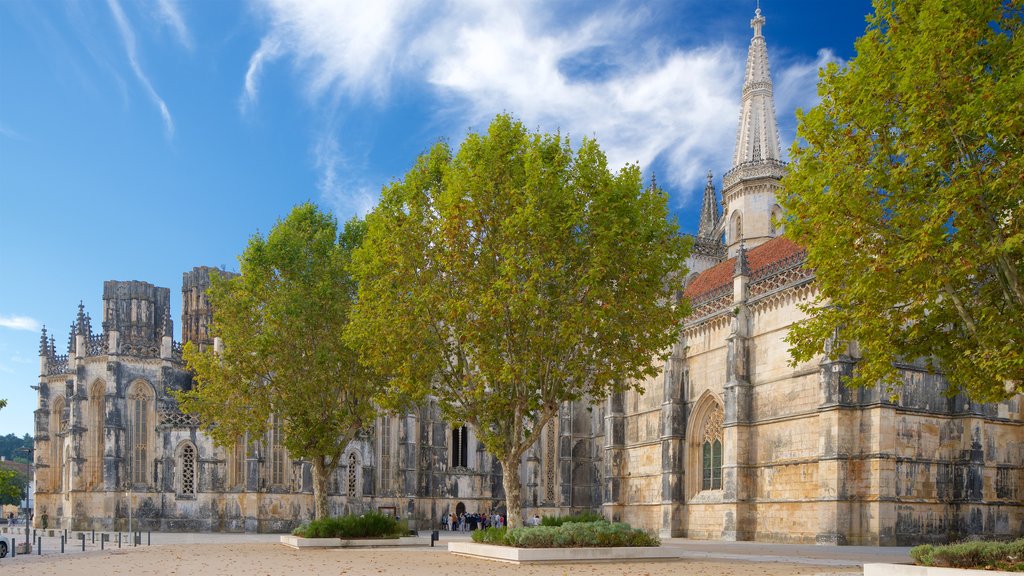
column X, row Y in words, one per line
column 280, row 322
column 513, row 276
column 12, row 486
column 907, row 187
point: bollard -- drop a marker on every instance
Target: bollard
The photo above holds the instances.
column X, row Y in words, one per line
column 65, row 534
column 118, row 538
column 82, row 536
column 61, row 544
column 434, row 537
column 93, row 535
column 149, row 538
column 14, row 547
column 39, row 547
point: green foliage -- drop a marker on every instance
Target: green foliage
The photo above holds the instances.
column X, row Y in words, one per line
column 596, row 534
column 581, row 517
column 1006, row 556
column 905, row 186
column 14, row 448
column 492, row 535
column 280, row 322
column 12, row 486
column 370, row 525
column 513, row 276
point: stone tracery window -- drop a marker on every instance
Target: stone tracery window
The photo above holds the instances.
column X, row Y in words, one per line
column 711, row 452
column 140, row 422
column 460, row 447
column 353, row 478
column 187, row 465
column 277, row 455
column 385, row 455
column 549, row 468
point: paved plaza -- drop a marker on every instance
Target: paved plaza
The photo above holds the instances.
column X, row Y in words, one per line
column 216, row 553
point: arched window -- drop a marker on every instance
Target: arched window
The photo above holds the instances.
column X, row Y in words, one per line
column 187, row 468
column 711, row 453
column 97, row 436
column 736, row 227
column 705, row 446
column 385, row 454
column 777, row 223
column 277, row 453
column 238, row 463
column 353, row 475
column 550, row 461
column 460, row 447
column 140, row 425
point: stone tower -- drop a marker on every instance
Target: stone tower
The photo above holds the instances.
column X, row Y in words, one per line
column 748, row 189
column 196, row 312
column 138, row 315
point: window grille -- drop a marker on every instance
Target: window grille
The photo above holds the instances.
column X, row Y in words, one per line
column 353, row 464
column 460, row 447
column 188, row 470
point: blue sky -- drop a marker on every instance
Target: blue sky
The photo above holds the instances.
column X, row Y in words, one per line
column 140, row 139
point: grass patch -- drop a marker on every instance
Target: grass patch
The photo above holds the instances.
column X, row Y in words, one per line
column 1007, row 556
column 369, row 525
column 596, row 534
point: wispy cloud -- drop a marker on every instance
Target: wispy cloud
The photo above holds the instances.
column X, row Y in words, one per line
column 18, row 323
column 168, row 12
column 128, row 36
column 596, row 75
column 346, row 196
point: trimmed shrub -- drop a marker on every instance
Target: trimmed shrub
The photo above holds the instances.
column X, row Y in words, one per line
column 581, row 517
column 1008, row 556
column 597, row 534
column 369, row 525
column 490, row 536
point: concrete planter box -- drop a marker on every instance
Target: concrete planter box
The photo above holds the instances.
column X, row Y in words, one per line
column 300, row 543
column 909, row 570
column 560, row 555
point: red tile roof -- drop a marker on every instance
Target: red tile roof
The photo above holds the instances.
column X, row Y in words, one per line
column 757, row 258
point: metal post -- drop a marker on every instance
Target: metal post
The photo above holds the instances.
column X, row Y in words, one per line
column 39, row 547
column 82, row 536
column 118, row 538
column 61, row 544
column 149, row 538
column 102, row 540
column 93, row 535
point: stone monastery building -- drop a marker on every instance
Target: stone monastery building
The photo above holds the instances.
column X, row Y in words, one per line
column 730, row 442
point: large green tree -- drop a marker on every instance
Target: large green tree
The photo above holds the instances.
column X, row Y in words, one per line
column 280, row 322
column 907, row 187
column 514, row 276
column 13, row 486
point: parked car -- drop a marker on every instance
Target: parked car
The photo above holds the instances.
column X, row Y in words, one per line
column 5, row 546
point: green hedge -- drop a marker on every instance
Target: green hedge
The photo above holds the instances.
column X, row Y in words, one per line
column 1008, row 556
column 582, row 517
column 597, row 534
column 369, row 525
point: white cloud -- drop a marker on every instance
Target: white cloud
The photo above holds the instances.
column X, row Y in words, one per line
column 346, row 196
column 128, row 36
column 795, row 87
column 168, row 12
column 598, row 75
column 18, row 323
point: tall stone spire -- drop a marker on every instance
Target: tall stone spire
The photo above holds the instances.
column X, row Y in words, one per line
column 748, row 188
column 708, row 212
column 757, row 137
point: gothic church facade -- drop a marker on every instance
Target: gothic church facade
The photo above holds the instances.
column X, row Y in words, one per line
column 729, row 442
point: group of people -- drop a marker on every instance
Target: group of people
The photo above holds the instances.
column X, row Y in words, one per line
column 466, row 522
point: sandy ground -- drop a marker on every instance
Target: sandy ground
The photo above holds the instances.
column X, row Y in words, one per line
column 267, row 559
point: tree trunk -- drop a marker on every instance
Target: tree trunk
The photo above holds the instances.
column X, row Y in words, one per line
column 320, row 487
column 513, row 492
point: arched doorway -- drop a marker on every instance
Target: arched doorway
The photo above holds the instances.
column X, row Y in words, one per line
column 460, row 509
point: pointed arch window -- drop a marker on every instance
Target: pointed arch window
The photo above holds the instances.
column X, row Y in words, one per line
column 140, row 422
column 353, row 475
column 57, row 444
column 460, row 447
column 187, row 466
column 711, row 452
column 385, row 455
column 277, row 454
column 97, row 410
column 238, row 463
